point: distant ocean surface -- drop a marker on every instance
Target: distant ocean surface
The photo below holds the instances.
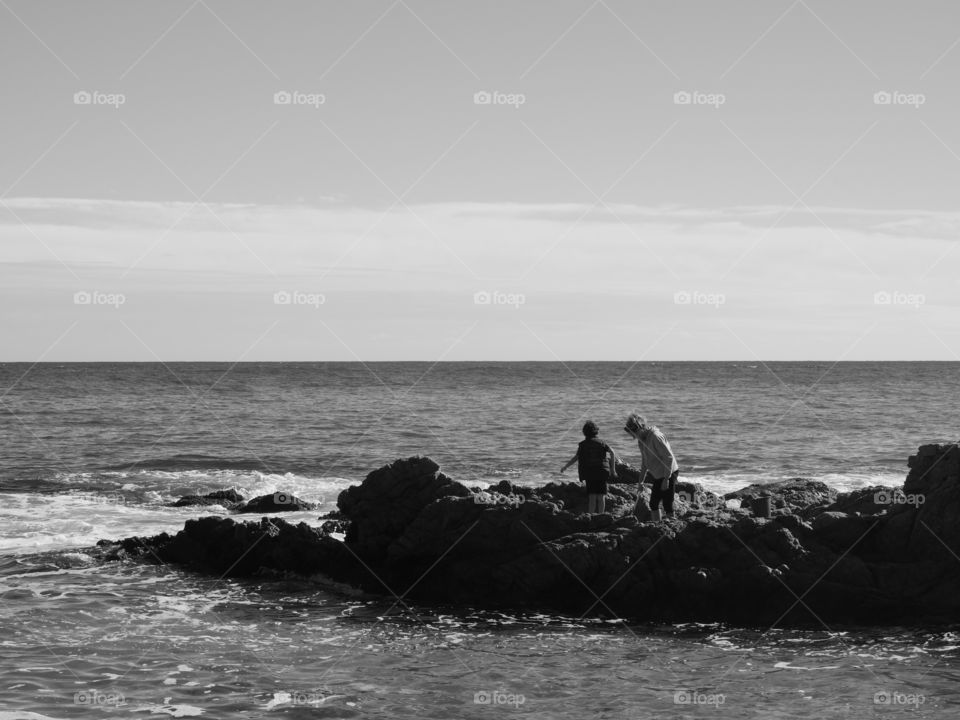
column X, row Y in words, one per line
column 96, row 450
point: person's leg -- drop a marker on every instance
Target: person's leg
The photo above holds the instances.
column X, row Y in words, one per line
column 602, row 503
column 669, row 494
column 656, row 494
column 592, row 503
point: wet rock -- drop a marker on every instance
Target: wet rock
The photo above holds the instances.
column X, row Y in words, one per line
column 230, row 499
column 275, row 503
column 416, row 532
column 864, row 501
column 798, row 496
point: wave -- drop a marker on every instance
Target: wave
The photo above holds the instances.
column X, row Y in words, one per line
column 194, row 462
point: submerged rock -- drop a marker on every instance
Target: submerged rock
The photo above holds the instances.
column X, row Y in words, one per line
column 276, row 502
column 230, row 499
column 416, row 533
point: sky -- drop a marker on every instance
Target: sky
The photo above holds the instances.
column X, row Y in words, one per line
column 442, row 180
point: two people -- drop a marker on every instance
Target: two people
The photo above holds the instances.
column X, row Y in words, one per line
column 597, row 464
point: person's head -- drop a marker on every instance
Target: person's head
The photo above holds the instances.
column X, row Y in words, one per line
column 590, row 429
column 636, row 425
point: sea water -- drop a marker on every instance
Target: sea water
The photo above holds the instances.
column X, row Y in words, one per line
column 91, row 451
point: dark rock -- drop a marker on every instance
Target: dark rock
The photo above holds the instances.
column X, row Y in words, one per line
column 415, row 532
column 335, row 526
column 276, row 502
column 230, row 499
column 390, row 499
column 572, row 497
column 803, row 497
column 627, row 474
column 865, row 501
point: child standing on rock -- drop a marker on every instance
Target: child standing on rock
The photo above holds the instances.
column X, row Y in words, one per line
column 596, row 463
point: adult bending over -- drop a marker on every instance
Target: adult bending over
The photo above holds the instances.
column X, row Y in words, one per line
column 658, row 465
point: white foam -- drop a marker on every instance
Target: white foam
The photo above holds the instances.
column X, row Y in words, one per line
column 171, row 710
column 31, row 523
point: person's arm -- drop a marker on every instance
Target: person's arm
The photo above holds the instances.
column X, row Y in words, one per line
column 571, row 462
column 643, row 462
column 612, row 460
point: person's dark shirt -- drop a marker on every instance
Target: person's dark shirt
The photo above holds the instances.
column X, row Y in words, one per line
column 592, row 464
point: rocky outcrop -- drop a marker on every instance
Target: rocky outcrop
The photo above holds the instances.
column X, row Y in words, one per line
column 235, row 502
column 230, row 499
column 789, row 496
column 275, row 503
column 821, row 558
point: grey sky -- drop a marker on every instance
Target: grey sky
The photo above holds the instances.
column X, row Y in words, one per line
column 772, row 216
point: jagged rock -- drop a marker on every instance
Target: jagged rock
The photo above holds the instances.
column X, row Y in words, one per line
column 335, row 526
column 865, row 501
column 799, row 496
column 230, row 499
column 415, row 532
column 276, row 502
column 572, row 497
column 390, row 499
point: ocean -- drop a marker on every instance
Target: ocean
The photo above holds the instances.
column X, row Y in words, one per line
column 92, row 451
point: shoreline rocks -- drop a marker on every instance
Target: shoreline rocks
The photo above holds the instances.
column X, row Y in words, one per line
column 872, row 556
